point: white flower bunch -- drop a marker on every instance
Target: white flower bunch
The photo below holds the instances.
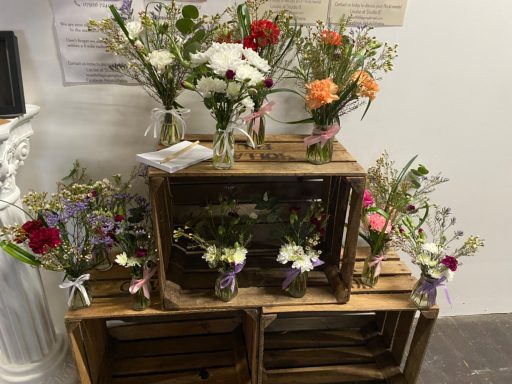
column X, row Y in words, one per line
column 126, row 261
column 302, row 258
column 215, row 256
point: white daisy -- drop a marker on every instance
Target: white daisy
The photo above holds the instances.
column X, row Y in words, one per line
column 256, row 60
column 122, row 259
column 223, row 60
column 233, row 89
column 209, row 85
column 246, row 72
column 197, row 59
column 239, row 255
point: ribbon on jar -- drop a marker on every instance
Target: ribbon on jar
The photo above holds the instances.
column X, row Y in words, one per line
column 75, row 284
column 221, row 147
column 293, row 273
column 157, row 114
column 143, row 283
column 377, row 263
column 228, row 278
column 429, row 287
column 322, row 137
column 257, row 115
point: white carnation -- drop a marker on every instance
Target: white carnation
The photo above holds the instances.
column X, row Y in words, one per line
column 248, row 104
column 134, row 29
column 250, row 74
column 289, row 252
column 222, row 61
column 210, row 254
column 197, row 59
column 431, row 247
column 256, row 60
column 304, row 265
column 208, row 85
column 239, row 255
column 233, row 89
column 160, row 59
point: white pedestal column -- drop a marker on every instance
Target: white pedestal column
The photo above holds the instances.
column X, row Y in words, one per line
column 30, row 350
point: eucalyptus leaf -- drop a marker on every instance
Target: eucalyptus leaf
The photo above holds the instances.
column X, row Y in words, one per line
column 190, row 12
column 191, row 47
column 185, row 26
column 423, row 170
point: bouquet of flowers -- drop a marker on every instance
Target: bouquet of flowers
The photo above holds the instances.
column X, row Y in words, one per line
column 68, row 231
column 271, row 35
column 338, row 70
column 157, row 47
column 133, row 237
column 433, row 254
column 301, row 238
column 391, row 197
column 225, row 75
column 223, row 235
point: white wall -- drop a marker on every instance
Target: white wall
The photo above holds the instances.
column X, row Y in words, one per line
column 448, row 100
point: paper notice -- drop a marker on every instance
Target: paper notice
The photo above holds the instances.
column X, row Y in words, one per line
column 378, row 13
column 83, row 56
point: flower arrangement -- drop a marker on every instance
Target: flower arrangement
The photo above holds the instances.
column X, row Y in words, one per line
column 271, row 35
column 68, row 231
column 338, row 70
column 432, row 253
column 225, row 75
column 301, row 237
column 392, row 196
column 134, row 239
column 157, row 47
column 223, row 235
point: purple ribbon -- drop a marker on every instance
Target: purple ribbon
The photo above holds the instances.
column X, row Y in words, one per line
column 228, row 278
column 293, row 273
column 429, row 287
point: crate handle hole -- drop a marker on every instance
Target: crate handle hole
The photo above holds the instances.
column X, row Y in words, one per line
column 203, row 374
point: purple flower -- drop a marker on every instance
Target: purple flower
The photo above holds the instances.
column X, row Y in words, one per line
column 72, row 208
column 126, row 10
column 230, row 74
column 52, row 219
column 268, row 82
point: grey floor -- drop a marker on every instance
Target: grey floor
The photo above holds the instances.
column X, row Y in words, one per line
column 470, row 350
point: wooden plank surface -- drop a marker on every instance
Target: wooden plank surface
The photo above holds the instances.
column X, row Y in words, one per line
column 221, row 375
column 324, row 375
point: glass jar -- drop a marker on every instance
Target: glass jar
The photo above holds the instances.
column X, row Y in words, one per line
column 224, row 148
column 371, row 269
column 298, row 286
column 424, row 293
column 256, row 130
column 226, row 286
column 139, row 300
column 320, row 148
column 172, row 125
column 80, row 295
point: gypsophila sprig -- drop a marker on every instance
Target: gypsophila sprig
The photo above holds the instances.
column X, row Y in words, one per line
column 435, row 251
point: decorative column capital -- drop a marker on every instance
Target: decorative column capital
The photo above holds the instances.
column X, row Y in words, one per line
column 14, row 149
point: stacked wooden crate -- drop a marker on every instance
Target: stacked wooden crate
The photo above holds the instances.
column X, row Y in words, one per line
column 341, row 331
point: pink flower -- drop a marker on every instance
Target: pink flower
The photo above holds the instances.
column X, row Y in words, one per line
column 377, row 222
column 367, row 198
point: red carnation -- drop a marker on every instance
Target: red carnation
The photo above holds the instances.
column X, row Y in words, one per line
column 265, row 32
column 450, row 262
column 31, row 226
column 42, row 239
column 119, row 218
column 250, row 43
column 141, row 252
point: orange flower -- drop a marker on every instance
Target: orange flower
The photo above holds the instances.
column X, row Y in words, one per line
column 368, row 87
column 331, row 37
column 321, row 92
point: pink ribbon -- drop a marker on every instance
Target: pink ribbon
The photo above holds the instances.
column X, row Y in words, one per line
column 256, row 115
column 377, row 263
column 143, row 283
column 322, row 137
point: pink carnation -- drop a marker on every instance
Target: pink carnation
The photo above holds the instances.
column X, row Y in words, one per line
column 377, row 222
column 367, row 198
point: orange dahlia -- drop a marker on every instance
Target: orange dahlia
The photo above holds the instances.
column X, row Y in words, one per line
column 331, row 37
column 368, row 87
column 321, row 92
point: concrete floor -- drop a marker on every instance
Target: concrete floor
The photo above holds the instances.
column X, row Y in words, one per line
column 470, row 350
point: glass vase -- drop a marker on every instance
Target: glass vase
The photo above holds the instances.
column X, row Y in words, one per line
column 224, row 148
column 81, row 298
column 172, row 126
column 256, row 130
column 228, row 292
column 298, row 286
column 424, row 293
column 139, row 301
column 371, row 270
column 320, row 152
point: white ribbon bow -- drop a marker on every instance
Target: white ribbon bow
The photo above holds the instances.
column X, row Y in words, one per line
column 157, row 114
column 78, row 283
column 221, row 146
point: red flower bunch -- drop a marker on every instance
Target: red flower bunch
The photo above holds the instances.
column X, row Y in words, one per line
column 319, row 223
column 450, row 262
column 263, row 34
column 41, row 238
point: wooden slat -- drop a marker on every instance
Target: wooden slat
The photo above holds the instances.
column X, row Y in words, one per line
column 95, row 339
column 173, row 329
column 222, row 375
column 389, row 268
column 240, row 357
column 362, row 253
column 151, row 365
column 295, row 358
column 171, row 346
column 318, row 338
column 319, row 323
column 324, row 375
column 403, row 331
column 387, row 284
column 78, row 350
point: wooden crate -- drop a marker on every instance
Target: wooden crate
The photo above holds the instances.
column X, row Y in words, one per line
column 279, row 168
column 363, row 341
column 183, row 348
